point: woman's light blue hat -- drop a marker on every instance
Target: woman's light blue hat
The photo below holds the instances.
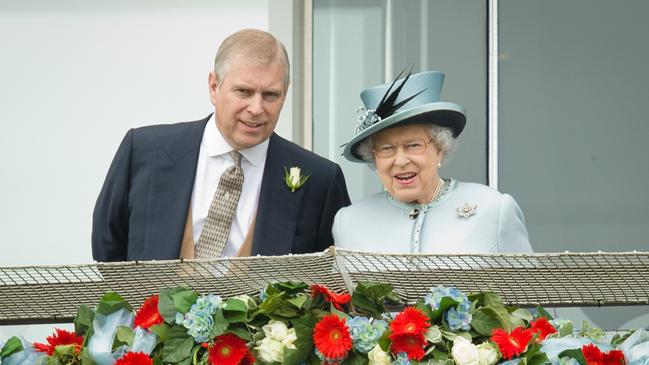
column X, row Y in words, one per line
column 411, row 100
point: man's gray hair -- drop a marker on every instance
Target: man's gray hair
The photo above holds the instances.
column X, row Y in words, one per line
column 253, row 45
column 442, row 138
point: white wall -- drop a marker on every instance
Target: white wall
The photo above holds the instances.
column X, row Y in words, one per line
column 75, row 76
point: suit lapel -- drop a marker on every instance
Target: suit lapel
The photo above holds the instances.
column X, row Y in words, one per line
column 278, row 207
column 172, row 182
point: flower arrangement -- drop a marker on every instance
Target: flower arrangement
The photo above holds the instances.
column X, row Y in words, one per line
column 293, row 323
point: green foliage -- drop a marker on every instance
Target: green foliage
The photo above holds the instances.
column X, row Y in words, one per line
column 304, row 343
column 371, row 298
column 575, row 354
column 177, row 349
column 12, row 346
column 112, row 302
column 175, row 300
column 543, row 313
column 124, row 336
column 83, row 320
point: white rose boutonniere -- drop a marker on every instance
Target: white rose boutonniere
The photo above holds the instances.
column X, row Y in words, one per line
column 294, row 179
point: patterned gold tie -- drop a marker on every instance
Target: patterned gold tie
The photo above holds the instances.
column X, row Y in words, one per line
column 219, row 218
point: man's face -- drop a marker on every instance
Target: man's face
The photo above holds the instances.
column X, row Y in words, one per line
column 248, row 102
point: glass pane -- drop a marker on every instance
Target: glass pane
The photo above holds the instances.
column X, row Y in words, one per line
column 573, row 126
column 349, row 55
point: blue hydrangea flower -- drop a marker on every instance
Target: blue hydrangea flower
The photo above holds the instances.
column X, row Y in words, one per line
column 402, row 359
column 366, row 334
column 460, row 317
column 457, row 317
column 434, row 298
column 199, row 320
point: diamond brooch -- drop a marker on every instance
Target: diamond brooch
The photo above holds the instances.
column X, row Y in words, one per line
column 466, row 210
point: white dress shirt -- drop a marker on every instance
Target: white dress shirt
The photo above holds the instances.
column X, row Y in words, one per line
column 213, row 160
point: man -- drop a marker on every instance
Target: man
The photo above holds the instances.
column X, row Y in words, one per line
column 162, row 191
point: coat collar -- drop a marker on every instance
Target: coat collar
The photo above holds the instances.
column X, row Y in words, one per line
column 174, row 170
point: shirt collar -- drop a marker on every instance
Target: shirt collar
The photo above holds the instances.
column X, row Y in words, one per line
column 216, row 145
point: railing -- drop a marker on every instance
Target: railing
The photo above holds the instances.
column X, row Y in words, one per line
column 46, row 294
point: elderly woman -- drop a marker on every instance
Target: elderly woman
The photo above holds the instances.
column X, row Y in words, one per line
column 406, row 133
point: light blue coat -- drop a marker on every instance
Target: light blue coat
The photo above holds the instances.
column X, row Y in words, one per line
column 493, row 223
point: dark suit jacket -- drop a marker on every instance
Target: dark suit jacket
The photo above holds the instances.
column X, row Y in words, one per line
column 141, row 211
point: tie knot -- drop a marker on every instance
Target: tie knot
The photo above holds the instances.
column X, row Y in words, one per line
column 236, row 156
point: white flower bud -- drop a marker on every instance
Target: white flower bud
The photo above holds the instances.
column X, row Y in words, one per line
column 294, row 176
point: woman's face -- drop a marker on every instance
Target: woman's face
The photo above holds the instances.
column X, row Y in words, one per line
column 409, row 177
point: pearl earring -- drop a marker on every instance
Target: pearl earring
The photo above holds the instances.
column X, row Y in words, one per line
column 439, row 164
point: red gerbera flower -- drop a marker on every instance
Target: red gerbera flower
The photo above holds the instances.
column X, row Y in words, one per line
column 60, row 337
column 543, row 328
column 148, row 315
column 248, row 359
column 228, row 349
column 594, row 356
column 411, row 344
column 410, row 321
column 134, row 358
column 614, row 357
column 338, row 300
column 514, row 343
column 332, row 338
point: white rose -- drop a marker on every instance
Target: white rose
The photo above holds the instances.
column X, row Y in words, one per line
column 377, row 356
column 290, row 339
column 487, row 354
column 275, row 330
column 269, row 350
column 294, row 175
column 464, row 352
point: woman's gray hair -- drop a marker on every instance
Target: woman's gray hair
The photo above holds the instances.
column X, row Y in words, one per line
column 442, row 138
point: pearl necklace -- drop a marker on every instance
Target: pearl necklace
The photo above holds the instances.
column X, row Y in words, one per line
column 438, row 190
